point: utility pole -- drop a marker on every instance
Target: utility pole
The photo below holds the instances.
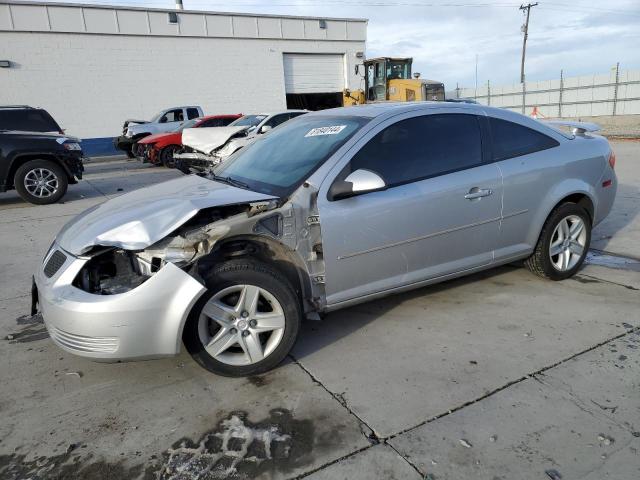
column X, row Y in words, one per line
column 525, row 30
column 476, row 73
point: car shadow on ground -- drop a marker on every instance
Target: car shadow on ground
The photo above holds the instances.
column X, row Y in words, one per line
column 316, row 335
column 625, row 211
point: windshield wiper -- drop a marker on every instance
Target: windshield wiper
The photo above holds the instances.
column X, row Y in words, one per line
column 229, row 181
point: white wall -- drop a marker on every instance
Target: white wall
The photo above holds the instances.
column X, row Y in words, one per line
column 92, row 67
column 92, row 83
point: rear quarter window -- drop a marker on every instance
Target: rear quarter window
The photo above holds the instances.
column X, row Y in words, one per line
column 510, row 139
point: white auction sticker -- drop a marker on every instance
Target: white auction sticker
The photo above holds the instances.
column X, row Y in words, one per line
column 334, row 130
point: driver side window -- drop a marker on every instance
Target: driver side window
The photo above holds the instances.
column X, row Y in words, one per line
column 172, row 116
column 422, row 147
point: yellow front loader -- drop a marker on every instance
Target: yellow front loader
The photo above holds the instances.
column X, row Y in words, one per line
column 390, row 79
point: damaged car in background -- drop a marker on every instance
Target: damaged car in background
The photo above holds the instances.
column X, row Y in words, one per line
column 159, row 148
column 329, row 210
column 203, row 149
column 164, row 121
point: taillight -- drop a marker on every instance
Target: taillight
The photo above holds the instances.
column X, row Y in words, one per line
column 612, row 159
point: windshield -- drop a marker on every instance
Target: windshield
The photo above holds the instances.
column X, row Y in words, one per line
column 248, row 121
column 187, row 124
column 156, row 117
column 398, row 70
column 280, row 160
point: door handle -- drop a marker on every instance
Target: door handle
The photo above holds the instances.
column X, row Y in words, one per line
column 476, row 192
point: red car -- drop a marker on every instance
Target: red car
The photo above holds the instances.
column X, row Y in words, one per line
column 159, row 148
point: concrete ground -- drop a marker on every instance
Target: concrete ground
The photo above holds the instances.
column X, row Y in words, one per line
column 500, row 375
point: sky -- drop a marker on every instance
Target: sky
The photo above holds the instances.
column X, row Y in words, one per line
column 445, row 36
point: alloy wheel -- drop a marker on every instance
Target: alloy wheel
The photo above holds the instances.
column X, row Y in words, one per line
column 241, row 325
column 568, row 243
column 41, row 182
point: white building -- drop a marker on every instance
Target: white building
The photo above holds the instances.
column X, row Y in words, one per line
column 92, row 66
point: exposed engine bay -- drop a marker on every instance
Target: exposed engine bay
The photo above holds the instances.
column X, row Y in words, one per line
column 111, row 271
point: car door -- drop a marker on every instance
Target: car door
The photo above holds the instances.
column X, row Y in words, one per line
column 171, row 119
column 438, row 215
column 528, row 170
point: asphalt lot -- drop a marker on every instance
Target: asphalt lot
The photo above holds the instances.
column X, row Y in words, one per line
column 500, row 375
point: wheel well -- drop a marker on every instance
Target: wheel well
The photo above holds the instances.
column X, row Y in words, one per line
column 268, row 251
column 18, row 162
column 580, row 199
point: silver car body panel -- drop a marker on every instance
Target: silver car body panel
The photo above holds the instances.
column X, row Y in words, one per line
column 344, row 252
column 142, row 323
column 139, row 219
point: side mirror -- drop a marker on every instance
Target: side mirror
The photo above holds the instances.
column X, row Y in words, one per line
column 358, row 182
column 265, row 128
column 163, row 120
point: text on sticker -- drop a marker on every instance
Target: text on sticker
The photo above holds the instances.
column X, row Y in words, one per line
column 335, row 129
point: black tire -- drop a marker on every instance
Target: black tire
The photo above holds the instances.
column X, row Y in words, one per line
column 26, row 173
column 540, row 262
column 166, row 156
column 129, row 154
column 137, row 150
column 245, row 271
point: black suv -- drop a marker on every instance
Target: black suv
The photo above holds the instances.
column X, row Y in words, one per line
column 36, row 158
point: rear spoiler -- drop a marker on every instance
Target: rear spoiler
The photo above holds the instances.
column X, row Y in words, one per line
column 577, row 128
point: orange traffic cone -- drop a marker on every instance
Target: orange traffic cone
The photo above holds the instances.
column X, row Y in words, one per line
column 535, row 113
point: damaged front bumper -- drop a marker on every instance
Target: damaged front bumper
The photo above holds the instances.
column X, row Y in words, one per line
column 143, row 322
column 199, row 162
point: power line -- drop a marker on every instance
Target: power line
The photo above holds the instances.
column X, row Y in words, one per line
column 525, row 29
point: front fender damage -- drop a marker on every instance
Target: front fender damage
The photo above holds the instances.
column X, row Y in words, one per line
column 289, row 230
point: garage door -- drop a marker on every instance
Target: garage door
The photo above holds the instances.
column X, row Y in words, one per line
column 307, row 73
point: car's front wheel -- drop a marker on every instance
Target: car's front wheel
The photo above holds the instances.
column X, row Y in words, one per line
column 246, row 323
column 41, row 182
column 166, row 156
column 563, row 243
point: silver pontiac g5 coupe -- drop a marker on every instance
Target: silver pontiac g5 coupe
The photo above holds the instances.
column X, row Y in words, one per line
column 329, row 209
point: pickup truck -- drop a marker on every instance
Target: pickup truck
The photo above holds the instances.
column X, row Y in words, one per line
column 164, row 121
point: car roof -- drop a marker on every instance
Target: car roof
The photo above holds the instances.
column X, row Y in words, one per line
column 271, row 114
column 386, row 109
column 16, row 107
column 221, row 115
column 372, row 110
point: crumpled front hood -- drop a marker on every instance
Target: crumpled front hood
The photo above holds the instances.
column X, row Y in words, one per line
column 206, row 140
column 138, row 219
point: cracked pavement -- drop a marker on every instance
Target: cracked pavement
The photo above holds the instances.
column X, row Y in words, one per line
column 496, row 375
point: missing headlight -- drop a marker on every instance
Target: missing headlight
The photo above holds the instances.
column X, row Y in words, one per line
column 110, row 273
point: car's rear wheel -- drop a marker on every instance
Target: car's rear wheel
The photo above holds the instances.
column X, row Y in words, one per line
column 246, row 323
column 563, row 243
column 41, row 182
column 166, row 156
